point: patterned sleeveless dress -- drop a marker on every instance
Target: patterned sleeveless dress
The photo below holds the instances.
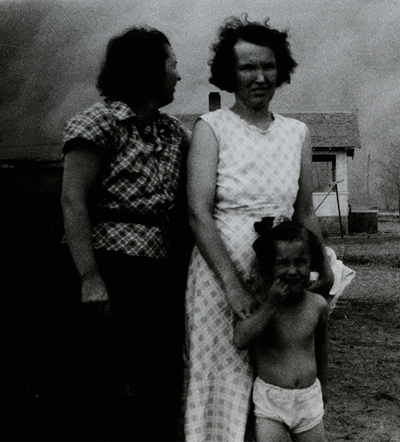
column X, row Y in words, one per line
column 258, row 173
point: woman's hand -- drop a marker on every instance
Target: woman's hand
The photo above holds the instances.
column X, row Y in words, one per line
column 325, row 281
column 94, row 296
column 82, row 170
column 252, row 326
column 242, row 303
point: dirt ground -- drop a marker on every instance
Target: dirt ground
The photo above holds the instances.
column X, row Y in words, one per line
column 364, row 342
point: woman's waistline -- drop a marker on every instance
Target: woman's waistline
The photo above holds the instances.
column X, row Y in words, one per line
column 102, row 214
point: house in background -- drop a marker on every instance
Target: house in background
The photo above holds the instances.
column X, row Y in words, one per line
column 334, row 138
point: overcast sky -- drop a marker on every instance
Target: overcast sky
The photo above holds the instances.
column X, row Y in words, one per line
column 347, row 50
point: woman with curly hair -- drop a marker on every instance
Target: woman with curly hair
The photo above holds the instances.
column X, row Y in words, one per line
column 245, row 163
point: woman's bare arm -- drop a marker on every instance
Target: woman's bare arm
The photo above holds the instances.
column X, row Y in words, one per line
column 82, row 168
column 304, row 214
column 321, row 352
column 202, row 174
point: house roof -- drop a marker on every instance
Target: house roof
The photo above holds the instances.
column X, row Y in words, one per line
column 329, row 130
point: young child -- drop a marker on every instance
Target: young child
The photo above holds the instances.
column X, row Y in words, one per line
column 288, row 334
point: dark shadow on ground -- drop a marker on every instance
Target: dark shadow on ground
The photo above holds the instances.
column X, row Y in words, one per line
column 55, row 382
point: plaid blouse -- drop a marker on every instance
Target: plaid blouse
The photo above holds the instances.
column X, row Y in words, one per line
column 142, row 176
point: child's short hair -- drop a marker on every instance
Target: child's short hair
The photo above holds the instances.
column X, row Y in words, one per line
column 265, row 245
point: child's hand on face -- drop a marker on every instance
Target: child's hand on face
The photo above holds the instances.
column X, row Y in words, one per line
column 278, row 292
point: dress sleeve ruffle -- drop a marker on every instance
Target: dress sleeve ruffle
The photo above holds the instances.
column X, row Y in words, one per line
column 343, row 276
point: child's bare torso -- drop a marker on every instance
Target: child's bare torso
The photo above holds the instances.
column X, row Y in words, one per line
column 285, row 353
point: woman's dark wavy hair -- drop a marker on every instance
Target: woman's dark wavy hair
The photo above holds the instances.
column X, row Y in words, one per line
column 223, row 63
column 265, row 245
column 134, row 65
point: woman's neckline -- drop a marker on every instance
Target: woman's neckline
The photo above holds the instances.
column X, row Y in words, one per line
column 253, row 126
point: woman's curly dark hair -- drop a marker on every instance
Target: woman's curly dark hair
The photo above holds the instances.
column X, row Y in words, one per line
column 265, row 245
column 223, row 63
column 134, row 65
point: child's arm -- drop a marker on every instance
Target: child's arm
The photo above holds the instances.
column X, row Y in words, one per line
column 321, row 353
column 249, row 329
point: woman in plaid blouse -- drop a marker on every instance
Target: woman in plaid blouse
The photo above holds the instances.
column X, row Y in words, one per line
column 122, row 199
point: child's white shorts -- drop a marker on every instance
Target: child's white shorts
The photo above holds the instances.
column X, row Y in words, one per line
column 299, row 409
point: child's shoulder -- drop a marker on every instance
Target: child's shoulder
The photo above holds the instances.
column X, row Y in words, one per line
column 316, row 300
